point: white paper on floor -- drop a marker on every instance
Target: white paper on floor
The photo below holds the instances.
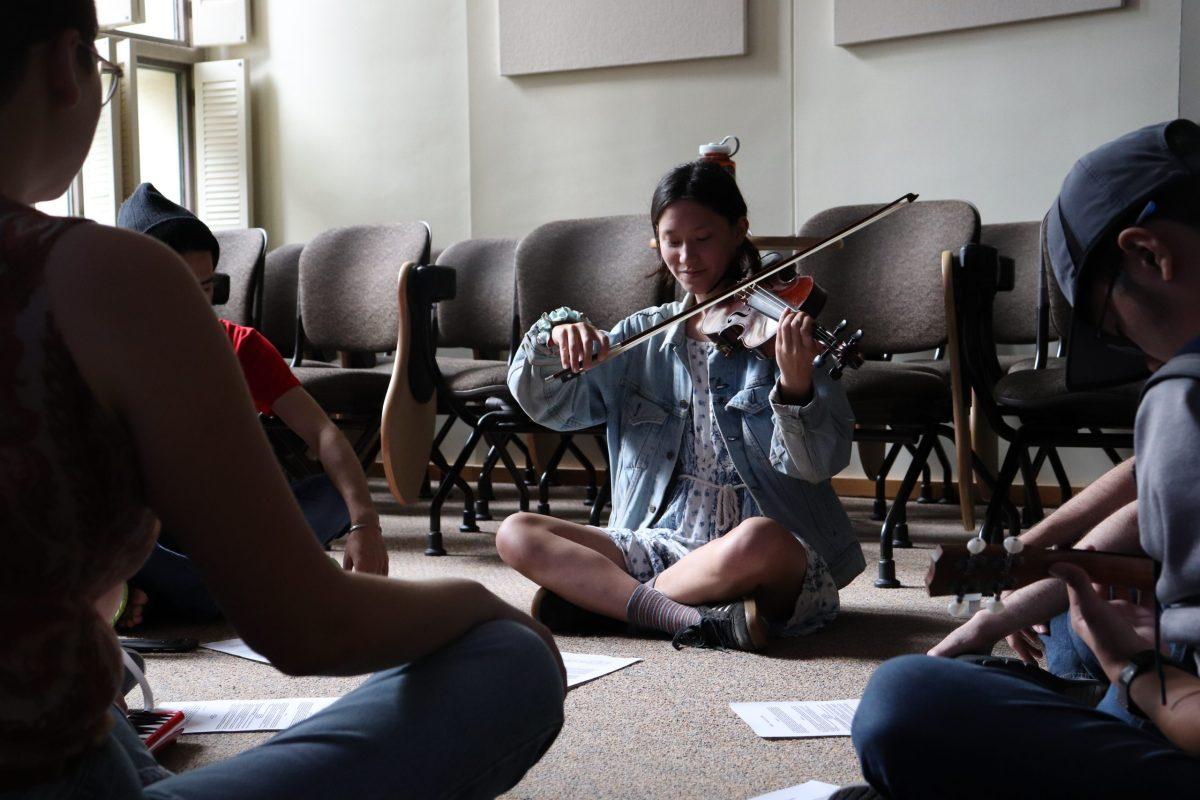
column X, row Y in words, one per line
column 233, row 716
column 581, row 667
column 798, row 720
column 236, row 647
column 584, row 667
column 810, row 790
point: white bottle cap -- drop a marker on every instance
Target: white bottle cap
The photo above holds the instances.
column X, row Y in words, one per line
column 721, row 148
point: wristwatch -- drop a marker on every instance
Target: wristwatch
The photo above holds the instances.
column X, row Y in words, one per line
column 1138, row 663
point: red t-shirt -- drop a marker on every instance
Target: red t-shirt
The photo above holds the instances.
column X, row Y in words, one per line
column 266, row 372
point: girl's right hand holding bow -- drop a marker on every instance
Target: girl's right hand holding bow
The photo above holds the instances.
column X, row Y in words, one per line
column 580, row 345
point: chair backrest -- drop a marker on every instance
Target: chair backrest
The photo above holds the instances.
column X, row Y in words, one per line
column 603, row 266
column 1058, row 310
column 1015, row 313
column 243, row 254
column 887, row 278
column 347, row 284
column 481, row 315
column 279, row 305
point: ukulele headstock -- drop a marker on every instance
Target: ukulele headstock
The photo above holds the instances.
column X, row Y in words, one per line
column 842, row 351
column 976, row 568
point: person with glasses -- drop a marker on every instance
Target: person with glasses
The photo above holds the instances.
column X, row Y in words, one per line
column 1123, row 238
column 122, row 407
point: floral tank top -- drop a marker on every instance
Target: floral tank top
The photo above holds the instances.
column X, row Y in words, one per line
column 73, row 521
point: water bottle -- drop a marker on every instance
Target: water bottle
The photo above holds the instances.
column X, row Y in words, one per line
column 721, row 153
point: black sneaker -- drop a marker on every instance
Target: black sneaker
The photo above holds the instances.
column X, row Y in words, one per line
column 733, row 626
column 563, row 616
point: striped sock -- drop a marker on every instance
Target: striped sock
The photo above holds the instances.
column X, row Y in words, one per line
column 650, row 608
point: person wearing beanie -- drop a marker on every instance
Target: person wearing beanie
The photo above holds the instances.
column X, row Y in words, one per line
column 335, row 503
column 1123, row 237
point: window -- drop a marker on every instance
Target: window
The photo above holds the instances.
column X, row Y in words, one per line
column 62, row 207
column 178, row 121
column 162, row 130
column 164, row 19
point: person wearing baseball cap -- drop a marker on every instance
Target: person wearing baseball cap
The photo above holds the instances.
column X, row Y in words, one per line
column 1123, row 237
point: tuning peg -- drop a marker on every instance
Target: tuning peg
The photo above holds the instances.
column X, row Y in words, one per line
column 958, row 608
column 1013, row 545
column 819, row 361
column 837, row 329
column 856, row 337
column 994, row 604
column 836, row 372
column 976, row 546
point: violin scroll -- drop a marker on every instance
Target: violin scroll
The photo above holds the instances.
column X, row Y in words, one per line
column 843, row 352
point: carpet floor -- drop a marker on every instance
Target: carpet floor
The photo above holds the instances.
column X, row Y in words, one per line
column 661, row 728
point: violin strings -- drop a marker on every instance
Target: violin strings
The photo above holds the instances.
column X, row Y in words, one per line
column 819, row 333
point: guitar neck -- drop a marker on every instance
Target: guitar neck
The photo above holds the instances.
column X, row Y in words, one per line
column 953, row 570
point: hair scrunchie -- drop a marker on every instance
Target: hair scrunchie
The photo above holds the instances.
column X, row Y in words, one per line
column 559, row 316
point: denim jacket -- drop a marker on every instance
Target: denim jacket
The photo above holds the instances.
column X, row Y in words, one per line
column 785, row 454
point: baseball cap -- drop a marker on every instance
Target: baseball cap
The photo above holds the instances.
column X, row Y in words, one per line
column 1107, row 190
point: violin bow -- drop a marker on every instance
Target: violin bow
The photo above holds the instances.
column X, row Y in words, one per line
column 746, row 284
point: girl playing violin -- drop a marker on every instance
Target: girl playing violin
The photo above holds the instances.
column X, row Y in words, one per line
column 724, row 528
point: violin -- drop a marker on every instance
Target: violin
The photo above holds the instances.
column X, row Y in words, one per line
column 750, row 319
column 753, row 288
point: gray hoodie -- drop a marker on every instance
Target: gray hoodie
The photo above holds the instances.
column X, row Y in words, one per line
column 1167, row 443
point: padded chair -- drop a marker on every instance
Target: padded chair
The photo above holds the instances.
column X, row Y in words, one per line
column 1046, row 414
column 1021, row 317
column 243, row 259
column 481, row 319
column 886, row 281
column 279, row 304
column 347, row 305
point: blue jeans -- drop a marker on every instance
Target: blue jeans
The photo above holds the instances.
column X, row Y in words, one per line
column 467, row 721
column 174, row 585
column 936, row 727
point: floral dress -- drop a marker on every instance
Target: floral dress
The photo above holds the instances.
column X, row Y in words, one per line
column 709, row 500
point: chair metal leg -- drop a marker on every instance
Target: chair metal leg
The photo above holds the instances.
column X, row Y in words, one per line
column 879, row 511
column 949, row 488
column 990, row 529
column 926, row 495
column 598, row 507
column 518, row 478
column 483, row 492
column 1033, row 512
column 589, row 469
column 896, row 514
column 544, row 484
column 1060, row 474
column 452, row 477
column 530, row 476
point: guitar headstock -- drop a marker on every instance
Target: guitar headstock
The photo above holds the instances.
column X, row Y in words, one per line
column 979, row 568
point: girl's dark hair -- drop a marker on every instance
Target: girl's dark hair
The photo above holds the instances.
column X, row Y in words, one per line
column 24, row 23
column 708, row 184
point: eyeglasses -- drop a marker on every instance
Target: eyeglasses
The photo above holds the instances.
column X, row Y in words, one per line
column 1113, row 341
column 110, row 74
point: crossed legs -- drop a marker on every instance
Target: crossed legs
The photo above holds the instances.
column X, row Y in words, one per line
column 580, row 563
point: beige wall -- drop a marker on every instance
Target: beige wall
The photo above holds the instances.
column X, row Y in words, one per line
column 360, row 115
column 595, row 142
column 995, row 115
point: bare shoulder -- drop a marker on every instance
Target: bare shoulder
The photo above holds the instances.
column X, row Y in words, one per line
column 88, row 258
column 123, row 301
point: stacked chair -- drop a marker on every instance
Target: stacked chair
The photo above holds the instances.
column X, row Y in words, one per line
column 600, row 266
column 347, row 306
column 279, row 305
column 1029, row 408
column 886, row 281
column 243, row 259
